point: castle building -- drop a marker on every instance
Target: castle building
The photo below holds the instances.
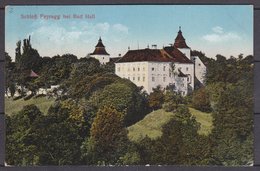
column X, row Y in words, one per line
column 171, row 66
column 100, row 53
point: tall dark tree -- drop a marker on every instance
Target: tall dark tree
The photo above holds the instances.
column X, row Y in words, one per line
column 108, row 139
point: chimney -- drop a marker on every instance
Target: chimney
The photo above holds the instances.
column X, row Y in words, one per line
column 154, row 46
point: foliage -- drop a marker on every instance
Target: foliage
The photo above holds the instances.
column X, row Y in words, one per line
column 201, row 101
column 21, row 147
column 156, row 98
column 178, row 143
column 151, row 125
column 172, row 100
column 108, row 137
column 125, row 97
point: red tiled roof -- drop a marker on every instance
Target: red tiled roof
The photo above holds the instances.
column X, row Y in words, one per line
column 169, row 54
column 180, row 41
column 100, row 49
column 177, row 55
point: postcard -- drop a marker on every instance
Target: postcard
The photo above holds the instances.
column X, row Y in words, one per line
column 120, row 85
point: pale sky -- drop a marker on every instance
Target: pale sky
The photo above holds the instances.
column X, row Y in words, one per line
column 212, row 29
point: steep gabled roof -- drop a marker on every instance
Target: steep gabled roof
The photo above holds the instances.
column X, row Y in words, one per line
column 177, row 55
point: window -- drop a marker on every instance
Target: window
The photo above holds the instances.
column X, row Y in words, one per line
column 187, row 68
column 138, row 78
column 164, row 68
column 143, row 68
column 188, row 79
column 143, row 78
column 153, row 79
column 199, row 64
column 134, row 69
column 164, row 79
column 133, row 78
column 152, row 69
column 118, row 69
column 138, row 69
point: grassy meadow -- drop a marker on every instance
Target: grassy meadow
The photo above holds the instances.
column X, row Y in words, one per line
column 14, row 106
column 151, row 125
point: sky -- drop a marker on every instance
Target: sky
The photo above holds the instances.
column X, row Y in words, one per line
column 212, row 29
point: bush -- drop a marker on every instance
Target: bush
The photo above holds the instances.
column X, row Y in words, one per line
column 200, row 100
column 39, row 95
column 28, row 97
column 18, row 97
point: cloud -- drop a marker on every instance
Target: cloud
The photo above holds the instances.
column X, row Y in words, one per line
column 120, row 28
column 80, row 37
column 218, row 29
column 220, row 36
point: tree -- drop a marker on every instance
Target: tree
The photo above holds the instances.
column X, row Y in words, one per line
column 9, row 75
column 156, row 99
column 21, row 141
column 108, row 137
column 60, row 134
column 180, row 143
column 172, row 100
column 200, row 100
column 125, row 97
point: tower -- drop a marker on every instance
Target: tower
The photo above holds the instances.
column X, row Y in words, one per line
column 100, row 53
column 180, row 44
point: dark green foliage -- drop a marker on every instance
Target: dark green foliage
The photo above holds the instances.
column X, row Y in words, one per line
column 180, row 143
column 108, row 140
column 156, row 98
column 232, row 103
column 200, row 100
column 125, row 97
column 21, row 143
column 172, row 100
column 9, row 75
column 59, row 139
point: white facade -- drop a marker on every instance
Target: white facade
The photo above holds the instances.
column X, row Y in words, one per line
column 200, row 69
column 151, row 68
column 151, row 74
column 186, row 52
column 103, row 59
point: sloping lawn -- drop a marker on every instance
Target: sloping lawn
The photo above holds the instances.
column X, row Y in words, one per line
column 151, row 125
column 205, row 119
column 14, row 106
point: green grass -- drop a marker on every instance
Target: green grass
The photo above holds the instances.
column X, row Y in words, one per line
column 151, row 125
column 14, row 106
column 205, row 119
